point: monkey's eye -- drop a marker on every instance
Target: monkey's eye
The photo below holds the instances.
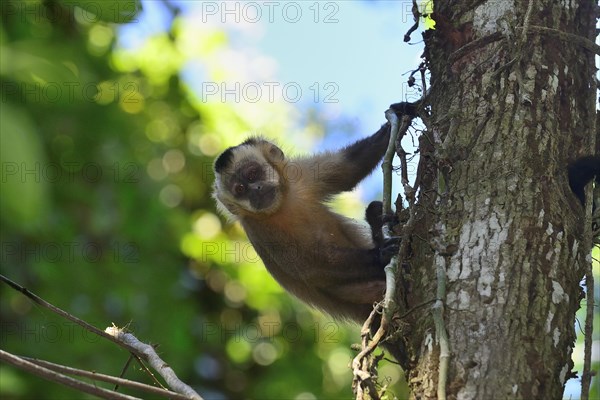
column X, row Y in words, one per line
column 251, row 175
column 239, row 189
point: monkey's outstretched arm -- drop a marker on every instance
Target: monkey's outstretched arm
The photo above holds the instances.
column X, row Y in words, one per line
column 331, row 173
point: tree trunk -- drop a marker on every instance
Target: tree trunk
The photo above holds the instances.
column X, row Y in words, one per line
column 512, row 102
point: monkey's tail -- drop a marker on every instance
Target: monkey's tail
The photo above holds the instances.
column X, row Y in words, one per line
column 581, row 172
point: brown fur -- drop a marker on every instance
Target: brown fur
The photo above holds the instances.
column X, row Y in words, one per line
column 323, row 258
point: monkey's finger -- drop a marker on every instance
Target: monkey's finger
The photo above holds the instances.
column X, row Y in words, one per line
column 387, row 252
column 392, row 240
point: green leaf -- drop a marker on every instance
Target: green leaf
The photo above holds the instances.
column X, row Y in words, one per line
column 429, row 22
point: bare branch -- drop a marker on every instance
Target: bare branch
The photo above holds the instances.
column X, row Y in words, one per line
column 106, row 378
column 363, row 365
column 148, row 353
column 387, row 162
column 586, row 376
column 38, row 300
column 440, row 332
column 115, row 335
column 50, row 375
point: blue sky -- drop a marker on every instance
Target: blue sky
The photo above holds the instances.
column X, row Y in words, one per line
column 351, row 52
column 357, row 45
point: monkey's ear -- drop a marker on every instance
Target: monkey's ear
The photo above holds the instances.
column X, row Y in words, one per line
column 275, row 153
column 224, row 160
column 270, row 151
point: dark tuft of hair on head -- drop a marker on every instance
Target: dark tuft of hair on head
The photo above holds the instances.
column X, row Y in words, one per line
column 224, row 160
column 250, row 141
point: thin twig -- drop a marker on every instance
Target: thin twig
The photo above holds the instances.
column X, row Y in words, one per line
column 440, row 331
column 586, row 376
column 125, row 367
column 362, row 368
column 113, row 334
column 50, row 375
column 387, row 162
column 147, row 370
column 526, row 21
column 415, row 308
column 148, row 353
column 106, row 378
column 389, row 304
column 362, row 364
column 38, row 300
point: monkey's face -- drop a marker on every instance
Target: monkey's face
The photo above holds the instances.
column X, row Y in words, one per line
column 246, row 181
column 255, row 186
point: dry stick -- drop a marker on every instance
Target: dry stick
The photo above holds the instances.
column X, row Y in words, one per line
column 358, row 375
column 387, row 162
column 125, row 367
column 146, row 369
column 365, row 330
column 106, row 378
column 65, row 380
column 143, row 366
column 526, row 21
column 391, row 270
column 148, row 353
column 38, row 300
column 360, row 363
column 440, row 331
column 586, row 376
column 438, row 307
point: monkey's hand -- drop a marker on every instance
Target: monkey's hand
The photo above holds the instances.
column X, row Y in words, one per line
column 376, row 219
column 388, row 249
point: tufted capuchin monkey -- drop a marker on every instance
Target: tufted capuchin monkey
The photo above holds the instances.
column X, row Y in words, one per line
column 329, row 261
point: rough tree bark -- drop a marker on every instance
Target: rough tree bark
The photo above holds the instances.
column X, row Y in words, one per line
column 512, row 101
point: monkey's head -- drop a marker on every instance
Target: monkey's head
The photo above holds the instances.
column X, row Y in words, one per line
column 248, row 179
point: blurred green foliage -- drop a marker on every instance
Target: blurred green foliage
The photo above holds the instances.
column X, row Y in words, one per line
column 106, row 159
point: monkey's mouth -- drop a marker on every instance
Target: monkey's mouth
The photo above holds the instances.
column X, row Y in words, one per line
column 263, row 199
